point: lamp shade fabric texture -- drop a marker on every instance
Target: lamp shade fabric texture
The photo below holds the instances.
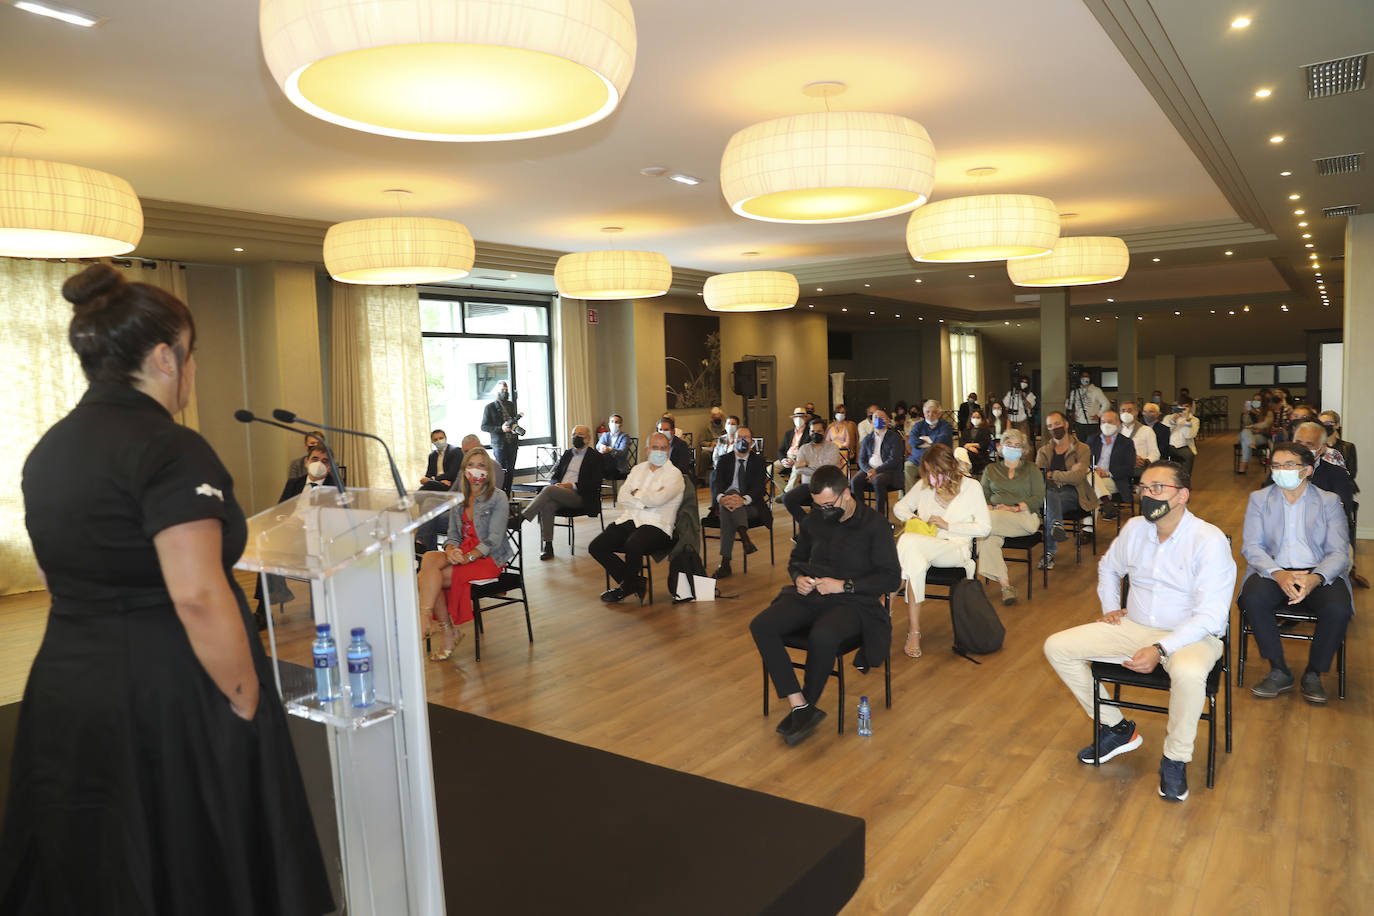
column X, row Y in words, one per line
column 613, row 274
column 986, row 227
column 751, row 291
column 444, row 70
column 57, row 210
column 1075, row 261
column 398, row 250
column 828, row 167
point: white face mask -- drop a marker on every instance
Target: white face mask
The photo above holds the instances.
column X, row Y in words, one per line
column 317, row 469
column 799, row 422
column 1085, row 381
column 1110, row 429
column 613, row 426
column 730, row 429
column 839, row 417
column 1128, row 418
column 440, row 444
column 658, row 458
column 975, row 421
column 997, row 411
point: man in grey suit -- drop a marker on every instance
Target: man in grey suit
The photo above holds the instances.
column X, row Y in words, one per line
column 1297, row 545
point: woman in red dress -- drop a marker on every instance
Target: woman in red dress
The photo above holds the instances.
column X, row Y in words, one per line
column 476, row 549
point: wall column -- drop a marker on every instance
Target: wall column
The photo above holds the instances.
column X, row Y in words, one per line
column 1126, row 353
column 1054, row 350
column 1357, row 417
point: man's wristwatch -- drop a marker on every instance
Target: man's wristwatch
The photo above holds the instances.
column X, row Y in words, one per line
column 1160, row 650
column 849, row 586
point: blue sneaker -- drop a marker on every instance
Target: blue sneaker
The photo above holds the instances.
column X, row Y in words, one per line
column 1173, row 779
column 1112, row 740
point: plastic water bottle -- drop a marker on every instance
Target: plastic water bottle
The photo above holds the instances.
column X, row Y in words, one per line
column 865, row 718
column 360, row 670
column 327, row 685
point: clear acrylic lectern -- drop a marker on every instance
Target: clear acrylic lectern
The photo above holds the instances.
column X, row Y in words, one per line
column 356, row 551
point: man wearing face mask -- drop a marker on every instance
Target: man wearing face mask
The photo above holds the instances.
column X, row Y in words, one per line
column 442, row 468
column 1297, row 547
column 1113, row 458
column 575, row 485
column 1151, row 416
column 726, row 443
column 866, row 424
column 880, row 461
column 314, row 474
column 1181, row 575
column 927, row 431
column 1085, row 405
column 815, row 453
column 614, row 447
column 679, row 452
column 649, row 500
column 790, row 442
column 1141, row 435
column 844, row 563
column 1066, row 464
column 499, row 422
column 1020, row 404
column 738, row 497
column 970, row 404
column 1183, row 429
column 1256, row 423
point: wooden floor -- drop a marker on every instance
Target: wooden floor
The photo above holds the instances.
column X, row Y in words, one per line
column 974, row 800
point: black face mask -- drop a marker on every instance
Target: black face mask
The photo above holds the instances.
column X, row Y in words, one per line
column 1153, row 509
column 818, row 438
column 503, row 395
column 579, row 442
column 829, row 514
column 1059, row 433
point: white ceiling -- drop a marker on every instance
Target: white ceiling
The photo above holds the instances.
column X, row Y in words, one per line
column 175, row 97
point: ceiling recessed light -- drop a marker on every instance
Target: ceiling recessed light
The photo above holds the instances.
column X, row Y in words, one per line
column 1240, row 22
column 1285, row 174
column 1232, row 312
column 1263, row 93
column 1308, row 245
column 1156, row 260
column 1139, row 317
column 844, row 309
column 922, row 318
column 1277, row 138
column 1295, row 197
column 1229, row 253
column 1086, row 318
column 872, row 313
column 971, row 276
column 810, row 305
column 1299, row 212
column 1307, row 235
column 1302, row 225
column 701, row 294
column 653, row 171
column 1318, row 275
column 1109, row 299
column 1213, row 311
column 942, row 321
column 1313, row 256
column 820, row 289
column 684, row 179
column 1316, row 266
column 1246, row 309
column 919, row 280
column 899, row 316
column 1007, row 323
column 865, row 286
column 65, row 14
column 238, row 249
column 1178, row 313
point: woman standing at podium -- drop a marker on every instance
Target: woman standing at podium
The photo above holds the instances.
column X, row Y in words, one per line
column 152, row 770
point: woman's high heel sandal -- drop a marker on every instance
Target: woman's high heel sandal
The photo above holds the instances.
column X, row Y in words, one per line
column 451, row 634
column 913, row 653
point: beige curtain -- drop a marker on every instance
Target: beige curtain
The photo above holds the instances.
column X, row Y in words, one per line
column 42, row 381
column 570, row 358
column 377, row 382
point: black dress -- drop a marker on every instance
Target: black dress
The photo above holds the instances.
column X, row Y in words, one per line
column 134, row 787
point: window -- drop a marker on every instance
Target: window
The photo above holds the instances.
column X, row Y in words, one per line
column 1258, row 375
column 963, row 362
column 472, row 343
column 1111, row 379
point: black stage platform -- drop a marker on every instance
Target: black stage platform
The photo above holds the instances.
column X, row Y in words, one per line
column 530, row 824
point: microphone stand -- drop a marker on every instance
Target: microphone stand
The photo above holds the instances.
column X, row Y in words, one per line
column 287, row 416
column 247, row 416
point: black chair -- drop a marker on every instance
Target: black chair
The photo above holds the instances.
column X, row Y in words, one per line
column 1028, row 543
column 1074, row 522
column 631, row 459
column 1158, row 679
column 711, row 522
column 1288, row 617
column 545, row 460
column 1260, row 453
column 570, row 515
column 799, row 640
column 497, row 592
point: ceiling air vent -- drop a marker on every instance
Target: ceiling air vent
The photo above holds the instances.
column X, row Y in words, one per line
column 1347, row 210
column 1333, row 77
column 1339, row 165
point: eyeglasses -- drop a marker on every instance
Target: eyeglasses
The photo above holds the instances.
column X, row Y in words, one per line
column 1155, row 489
column 1290, row 466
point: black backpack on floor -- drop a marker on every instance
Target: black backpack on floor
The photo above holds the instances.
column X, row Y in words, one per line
column 977, row 628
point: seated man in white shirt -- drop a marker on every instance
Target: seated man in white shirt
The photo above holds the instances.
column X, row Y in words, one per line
column 1142, row 435
column 1183, row 429
column 1181, row 577
column 648, row 502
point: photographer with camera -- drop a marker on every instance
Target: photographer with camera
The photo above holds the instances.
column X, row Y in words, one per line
column 501, row 421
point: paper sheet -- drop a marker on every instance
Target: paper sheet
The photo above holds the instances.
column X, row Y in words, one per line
column 705, row 587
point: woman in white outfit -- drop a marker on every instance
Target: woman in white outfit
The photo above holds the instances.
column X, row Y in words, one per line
column 952, row 503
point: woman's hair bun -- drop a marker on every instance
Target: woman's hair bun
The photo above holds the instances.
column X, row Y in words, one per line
column 93, row 283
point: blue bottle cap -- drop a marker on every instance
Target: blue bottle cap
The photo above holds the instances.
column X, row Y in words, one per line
column 322, row 628
column 359, row 631
column 863, row 699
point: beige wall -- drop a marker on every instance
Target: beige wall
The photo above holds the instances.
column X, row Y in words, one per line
column 214, row 297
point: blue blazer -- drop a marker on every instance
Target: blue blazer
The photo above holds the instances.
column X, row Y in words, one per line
column 940, row 432
column 1120, row 464
column 891, row 455
column 1325, row 523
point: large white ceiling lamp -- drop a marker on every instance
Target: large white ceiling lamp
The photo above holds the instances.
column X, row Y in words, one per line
column 612, row 274
column 1076, row 261
column 398, row 250
column 56, row 210
column 751, row 291
column 985, row 227
column 829, row 166
column 448, row 70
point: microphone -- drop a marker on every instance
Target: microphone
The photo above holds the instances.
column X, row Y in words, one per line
column 287, row 416
column 247, row 416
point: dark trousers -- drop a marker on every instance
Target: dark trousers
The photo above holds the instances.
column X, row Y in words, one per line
column 505, row 451
column 827, row 620
column 428, row 533
column 1085, row 430
column 1261, row 599
column 796, row 500
column 631, row 540
column 742, row 519
column 1185, row 457
column 880, row 484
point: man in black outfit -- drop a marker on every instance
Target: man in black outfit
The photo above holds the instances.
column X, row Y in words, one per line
column 442, row 468
column 844, row 563
column 738, row 497
column 498, row 421
column 679, row 452
column 575, row 484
